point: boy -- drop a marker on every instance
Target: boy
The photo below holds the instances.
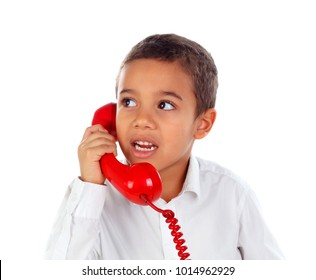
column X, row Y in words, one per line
column 166, row 91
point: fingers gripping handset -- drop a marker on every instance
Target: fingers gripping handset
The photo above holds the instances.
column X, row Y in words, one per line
column 140, row 182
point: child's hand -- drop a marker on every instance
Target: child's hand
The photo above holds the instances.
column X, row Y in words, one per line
column 95, row 143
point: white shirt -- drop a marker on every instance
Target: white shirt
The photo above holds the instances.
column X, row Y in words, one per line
column 218, row 213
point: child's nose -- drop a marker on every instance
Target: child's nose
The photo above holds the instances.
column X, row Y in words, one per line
column 144, row 119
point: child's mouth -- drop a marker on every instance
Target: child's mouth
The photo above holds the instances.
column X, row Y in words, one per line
column 144, row 146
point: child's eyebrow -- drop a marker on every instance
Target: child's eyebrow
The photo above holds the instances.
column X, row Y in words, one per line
column 162, row 93
column 126, row 90
column 173, row 94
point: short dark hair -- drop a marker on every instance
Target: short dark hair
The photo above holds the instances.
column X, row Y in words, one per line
column 193, row 58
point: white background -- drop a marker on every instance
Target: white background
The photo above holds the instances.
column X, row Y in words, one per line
column 58, row 63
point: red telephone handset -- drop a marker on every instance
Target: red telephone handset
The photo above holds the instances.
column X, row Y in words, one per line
column 140, row 182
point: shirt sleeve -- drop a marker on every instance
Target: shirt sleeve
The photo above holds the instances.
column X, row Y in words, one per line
column 255, row 239
column 75, row 233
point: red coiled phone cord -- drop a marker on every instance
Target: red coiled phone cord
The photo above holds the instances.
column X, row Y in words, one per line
column 172, row 221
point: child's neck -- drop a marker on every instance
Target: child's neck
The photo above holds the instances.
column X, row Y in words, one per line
column 173, row 179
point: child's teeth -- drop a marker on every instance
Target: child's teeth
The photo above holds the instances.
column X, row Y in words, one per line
column 138, row 148
column 144, row 143
column 144, row 146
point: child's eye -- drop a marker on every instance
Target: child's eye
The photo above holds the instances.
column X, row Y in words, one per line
column 128, row 102
column 165, row 105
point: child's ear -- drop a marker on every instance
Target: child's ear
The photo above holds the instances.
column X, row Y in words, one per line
column 205, row 123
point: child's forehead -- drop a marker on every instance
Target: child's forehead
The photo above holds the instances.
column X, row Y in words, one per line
column 154, row 70
column 154, row 78
column 153, row 63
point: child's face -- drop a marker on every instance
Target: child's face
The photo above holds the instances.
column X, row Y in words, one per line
column 156, row 119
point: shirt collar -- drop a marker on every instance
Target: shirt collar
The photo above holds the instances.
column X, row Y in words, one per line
column 192, row 180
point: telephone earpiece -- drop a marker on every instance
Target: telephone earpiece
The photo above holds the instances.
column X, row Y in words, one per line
column 106, row 116
column 140, row 182
column 135, row 182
